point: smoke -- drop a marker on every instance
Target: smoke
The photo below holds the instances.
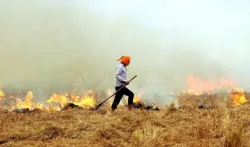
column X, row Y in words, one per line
column 52, row 46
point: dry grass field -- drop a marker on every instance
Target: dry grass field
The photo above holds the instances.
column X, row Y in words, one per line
column 219, row 124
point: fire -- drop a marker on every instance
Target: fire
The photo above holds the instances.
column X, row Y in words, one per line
column 86, row 101
column 27, row 103
column 201, row 85
column 59, row 98
column 137, row 98
column 2, row 95
column 238, row 96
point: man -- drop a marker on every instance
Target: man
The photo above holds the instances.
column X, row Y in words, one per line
column 121, row 79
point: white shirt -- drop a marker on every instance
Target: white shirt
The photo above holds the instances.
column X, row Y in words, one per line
column 121, row 75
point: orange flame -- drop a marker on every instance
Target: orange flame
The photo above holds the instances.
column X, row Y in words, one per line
column 200, row 85
column 59, row 98
column 27, row 103
column 85, row 101
column 2, row 95
column 238, row 96
column 137, row 98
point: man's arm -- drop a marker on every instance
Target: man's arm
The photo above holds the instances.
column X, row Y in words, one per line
column 118, row 75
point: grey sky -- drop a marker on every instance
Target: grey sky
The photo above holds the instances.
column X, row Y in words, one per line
column 221, row 26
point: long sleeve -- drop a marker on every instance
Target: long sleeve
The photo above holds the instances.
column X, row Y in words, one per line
column 119, row 74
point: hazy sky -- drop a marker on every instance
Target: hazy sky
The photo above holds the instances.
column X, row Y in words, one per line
column 48, row 44
column 221, row 26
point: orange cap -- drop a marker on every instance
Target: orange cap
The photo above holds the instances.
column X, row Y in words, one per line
column 125, row 60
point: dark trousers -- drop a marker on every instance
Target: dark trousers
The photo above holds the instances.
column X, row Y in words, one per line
column 119, row 95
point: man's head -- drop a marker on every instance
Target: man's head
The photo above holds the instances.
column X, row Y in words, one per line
column 125, row 60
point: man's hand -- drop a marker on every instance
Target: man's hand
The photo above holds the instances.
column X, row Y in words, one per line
column 126, row 83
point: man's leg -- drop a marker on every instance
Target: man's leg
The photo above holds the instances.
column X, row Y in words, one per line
column 130, row 95
column 117, row 99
